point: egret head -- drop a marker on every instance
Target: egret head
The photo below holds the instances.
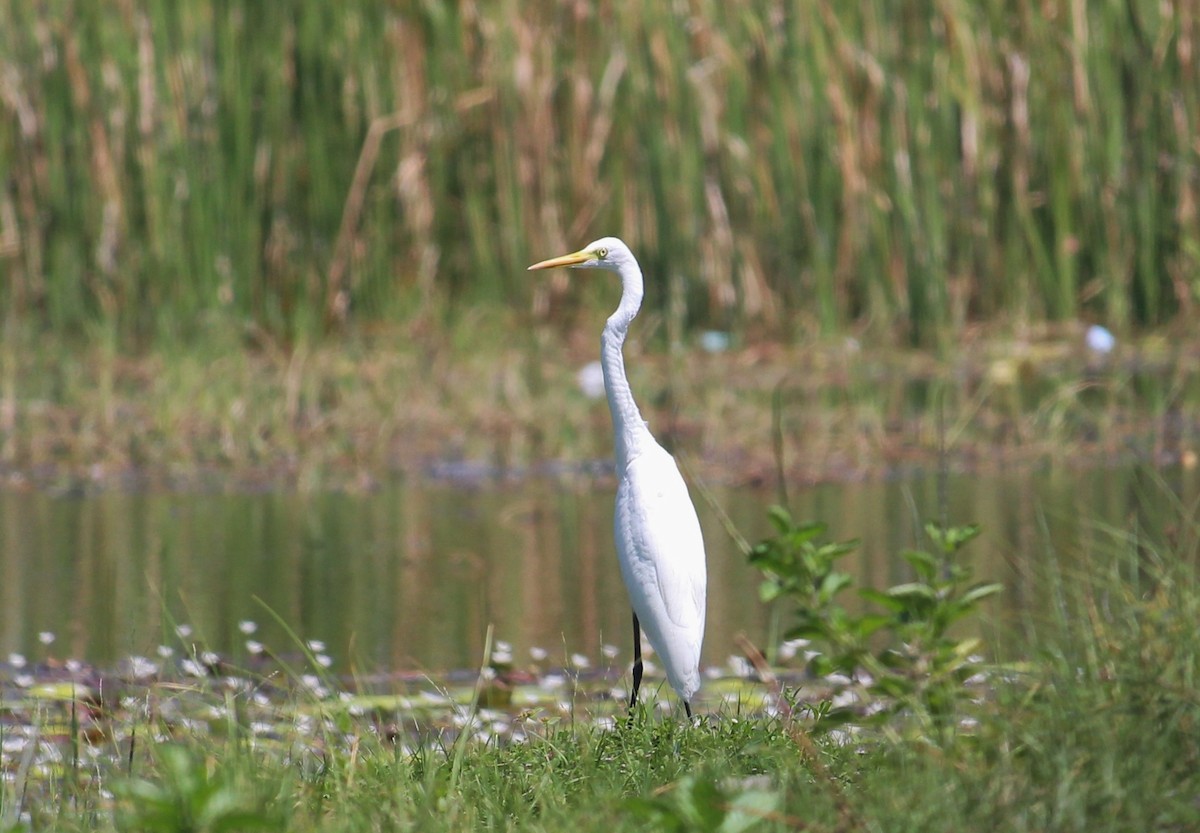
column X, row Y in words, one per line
column 606, row 253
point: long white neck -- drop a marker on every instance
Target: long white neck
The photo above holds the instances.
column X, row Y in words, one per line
column 629, row 428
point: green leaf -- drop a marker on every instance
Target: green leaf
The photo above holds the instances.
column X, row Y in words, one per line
column 780, row 518
column 951, row 538
column 769, row 590
column 881, row 598
column 926, row 564
column 748, row 809
column 913, row 590
column 892, row 686
column 839, row 548
column 833, row 584
column 982, row 591
column 864, row 626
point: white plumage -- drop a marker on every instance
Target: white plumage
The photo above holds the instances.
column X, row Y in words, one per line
column 659, row 544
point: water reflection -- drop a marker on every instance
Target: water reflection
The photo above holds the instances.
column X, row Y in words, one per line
column 411, row 576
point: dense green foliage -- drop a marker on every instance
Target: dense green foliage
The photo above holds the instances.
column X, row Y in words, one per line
column 916, row 166
column 897, row 658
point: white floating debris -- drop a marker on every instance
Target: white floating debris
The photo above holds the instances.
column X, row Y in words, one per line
column 1100, row 340
column 590, row 379
column 714, row 341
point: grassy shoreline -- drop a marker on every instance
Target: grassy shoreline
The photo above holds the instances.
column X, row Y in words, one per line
column 1093, row 730
column 391, row 402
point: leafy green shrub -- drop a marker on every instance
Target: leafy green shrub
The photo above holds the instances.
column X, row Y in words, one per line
column 898, row 656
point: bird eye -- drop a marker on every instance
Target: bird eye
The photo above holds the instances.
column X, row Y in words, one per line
column 602, row 253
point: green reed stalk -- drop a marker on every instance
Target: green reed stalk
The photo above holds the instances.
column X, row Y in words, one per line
column 169, row 168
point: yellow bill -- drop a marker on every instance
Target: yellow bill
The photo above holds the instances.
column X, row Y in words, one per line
column 573, row 259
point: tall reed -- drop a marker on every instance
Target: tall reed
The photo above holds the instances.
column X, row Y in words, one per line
column 304, row 166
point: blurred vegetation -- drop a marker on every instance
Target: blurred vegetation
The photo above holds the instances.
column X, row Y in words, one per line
column 300, row 168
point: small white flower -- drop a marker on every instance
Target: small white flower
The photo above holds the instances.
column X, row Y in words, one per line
column 502, row 656
column 16, row 660
column 247, row 627
column 313, row 683
column 183, row 631
column 141, row 667
column 253, row 647
column 324, row 660
column 165, row 651
column 844, row 699
column 46, row 637
column 23, row 680
column 610, row 651
column 739, row 666
column 316, row 646
column 190, row 666
column 73, row 665
column 580, row 661
column 537, row 654
column 210, row 658
column 788, row 648
column 502, row 647
column 553, row 681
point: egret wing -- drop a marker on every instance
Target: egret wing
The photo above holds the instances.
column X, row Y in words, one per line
column 662, row 558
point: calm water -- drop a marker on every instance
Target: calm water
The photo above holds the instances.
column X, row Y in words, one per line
column 410, row 577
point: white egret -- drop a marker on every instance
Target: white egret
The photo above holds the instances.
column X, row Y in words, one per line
column 659, row 545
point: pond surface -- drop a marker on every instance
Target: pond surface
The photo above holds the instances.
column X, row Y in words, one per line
column 409, row 577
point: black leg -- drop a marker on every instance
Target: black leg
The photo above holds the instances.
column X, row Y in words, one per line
column 637, row 660
column 687, row 707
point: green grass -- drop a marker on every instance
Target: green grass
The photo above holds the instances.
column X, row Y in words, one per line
column 902, row 170
column 1092, row 729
